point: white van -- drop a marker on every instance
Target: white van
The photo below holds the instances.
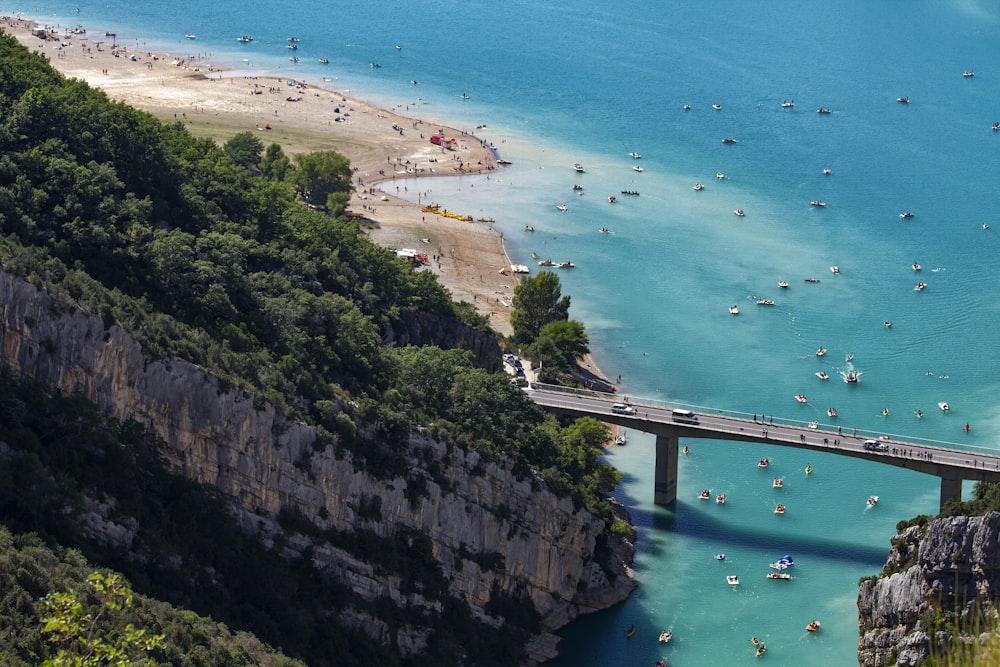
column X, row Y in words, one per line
column 683, row 416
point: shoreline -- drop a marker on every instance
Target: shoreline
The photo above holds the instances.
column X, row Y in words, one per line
column 383, row 146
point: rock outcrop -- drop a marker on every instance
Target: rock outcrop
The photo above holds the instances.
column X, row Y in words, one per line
column 489, row 528
column 948, row 569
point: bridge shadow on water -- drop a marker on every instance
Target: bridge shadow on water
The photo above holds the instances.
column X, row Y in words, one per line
column 684, row 519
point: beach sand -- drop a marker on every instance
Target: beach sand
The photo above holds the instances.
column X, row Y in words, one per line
column 382, row 146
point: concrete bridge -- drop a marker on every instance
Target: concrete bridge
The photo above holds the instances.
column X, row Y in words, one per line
column 951, row 462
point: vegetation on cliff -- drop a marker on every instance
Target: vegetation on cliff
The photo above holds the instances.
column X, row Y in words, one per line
column 211, row 254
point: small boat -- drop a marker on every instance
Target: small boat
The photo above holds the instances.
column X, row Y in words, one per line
column 788, row 104
column 721, row 499
column 761, row 650
column 813, row 627
column 734, row 310
column 814, row 424
column 636, row 167
column 245, row 39
column 464, row 96
column 325, row 61
column 189, row 36
column 629, row 631
column 686, row 450
column 719, row 175
column 635, row 156
column 851, row 377
column 763, row 463
column 996, row 125
column 294, row 59
column 780, row 575
column 604, row 230
column 755, row 641
column 903, row 100
column 293, row 39
column 919, row 414
column 566, row 265
column 620, row 439
column 809, row 470
column 562, row 207
column 697, row 187
column 717, row 107
column 578, row 168
column 817, row 202
column 783, row 284
column 822, row 110
column 905, row 215
column 665, row 636
column 777, row 484
column 801, row 398
column 849, row 357
column 687, row 107
column 821, row 351
column 292, row 46
column 834, row 269
column 612, row 199
column 920, row 287
column 578, row 188
column 729, row 140
column 546, row 262
column 885, row 412
column 827, row 171
column 779, row 509
column 739, row 212
column 704, row 495
column 915, row 266
column 529, row 228
column 822, row 375
column 782, row 563
column 732, row 580
column 720, row 556
column 534, row 255
column 872, row 501
column 812, row 280
column 968, row 74
column 765, row 302
column 944, row 406
column 832, row 412
column 887, row 324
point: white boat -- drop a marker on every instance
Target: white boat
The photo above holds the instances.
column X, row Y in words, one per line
column 578, row 168
column 783, row 284
column 763, row 463
column 788, row 104
column 732, row 580
column 719, row 175
column 635, row 156
column 721, row 499
column 832, row 412
column 733, row 310
column 782, row 563
column 916, row 267
column 851, row 377
column 818, row 202
column 801, row 398
column 325, row 61
column 717, row 107
column 777, row 484
column 562, row 207
column 834, row 269
column 612, row 199
column 887, row 324
column 821, row 351
column 665, row 636
column 822, row 375
column 720, row 556
column 779, row 509
column 565, row 265
column 944, row 406
column 189, row 36
column 738, row 212
column 920, row 287
column 780, row 575
column 905, row 215
column 705, row 495
column 872, row 501
column 765, row 302
column 698, row 186
column 636, row 167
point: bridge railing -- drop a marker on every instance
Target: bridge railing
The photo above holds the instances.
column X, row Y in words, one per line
column 833, row 431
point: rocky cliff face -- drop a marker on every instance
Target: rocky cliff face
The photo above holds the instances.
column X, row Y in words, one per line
column 952, row 564
column 266, row 464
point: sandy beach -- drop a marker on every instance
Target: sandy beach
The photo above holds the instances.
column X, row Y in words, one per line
column 468, row 257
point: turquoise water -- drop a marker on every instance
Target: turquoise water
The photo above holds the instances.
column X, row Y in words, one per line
column 560, row 83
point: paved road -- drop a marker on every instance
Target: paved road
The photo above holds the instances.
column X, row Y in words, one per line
column 952, row 461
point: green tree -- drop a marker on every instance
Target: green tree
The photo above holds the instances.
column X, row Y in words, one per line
column 320, row 175
column 245, row 149
column 537, row 301
column 560, row 345
column 275, row 164
column 91, row 639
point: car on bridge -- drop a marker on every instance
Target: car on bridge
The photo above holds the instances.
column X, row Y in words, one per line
column 876, row 446
column 622, row 409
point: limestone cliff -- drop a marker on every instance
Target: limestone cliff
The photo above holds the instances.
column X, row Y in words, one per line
column 490, row 529
column 949, row 565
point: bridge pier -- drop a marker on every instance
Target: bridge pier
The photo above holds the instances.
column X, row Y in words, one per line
column 951, row 488
column 665, row 479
